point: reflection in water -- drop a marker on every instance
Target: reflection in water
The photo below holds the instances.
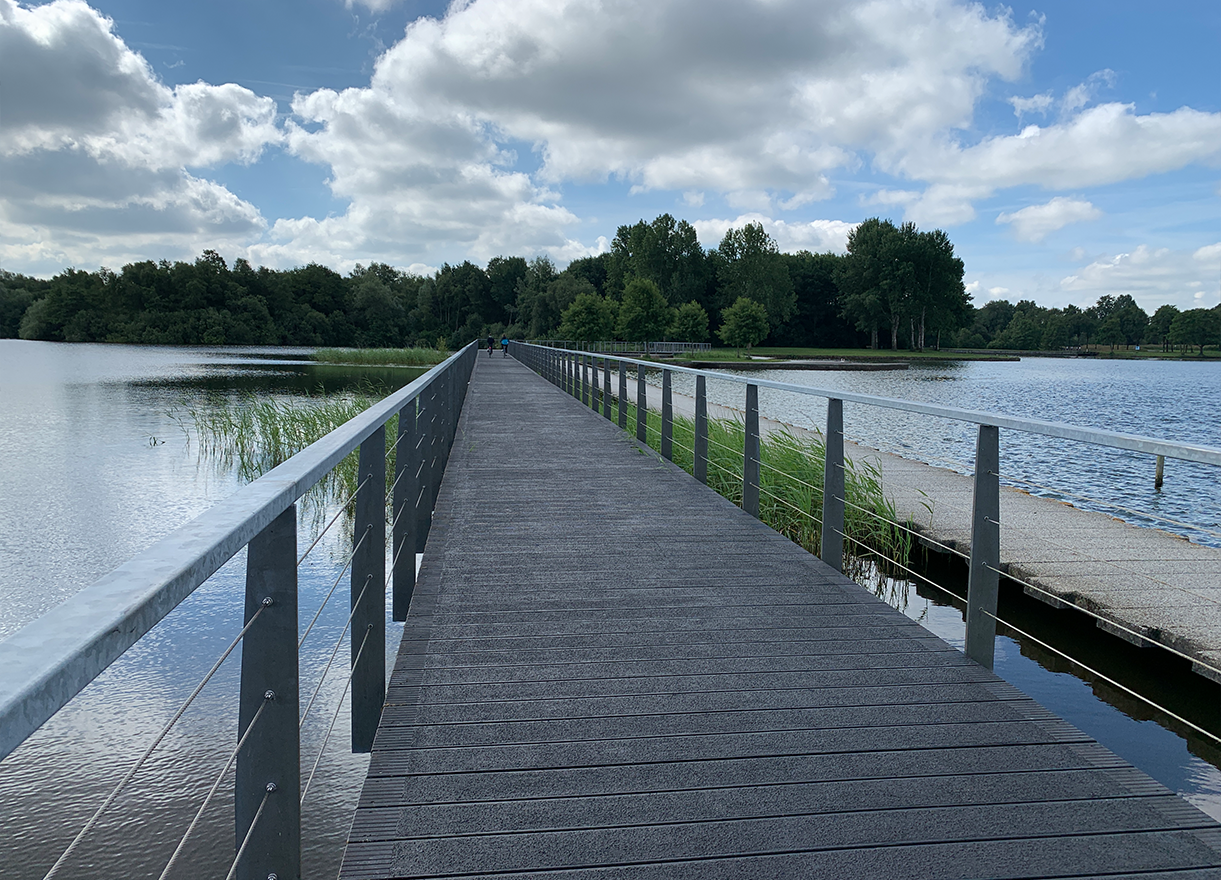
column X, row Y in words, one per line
column 93, row 469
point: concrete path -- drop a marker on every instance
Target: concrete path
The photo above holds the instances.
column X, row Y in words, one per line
column 609, row 671
column 1149, row 586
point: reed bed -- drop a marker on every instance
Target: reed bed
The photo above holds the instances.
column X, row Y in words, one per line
column 790, row 494
column 381, row 357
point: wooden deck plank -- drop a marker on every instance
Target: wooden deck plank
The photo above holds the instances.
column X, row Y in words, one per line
column 609, row 671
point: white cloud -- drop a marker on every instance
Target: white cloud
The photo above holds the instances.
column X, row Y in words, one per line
column 1035, row 104
column 1036, row 222
column 1153, row 277
column 95, row 150
column 819, row 236
column 756, row 101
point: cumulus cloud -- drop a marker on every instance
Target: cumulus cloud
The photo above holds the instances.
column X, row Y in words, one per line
column 757, row 101
column 1153, row 276
column 1037, row 222
column 96, row 151
column 819, row 236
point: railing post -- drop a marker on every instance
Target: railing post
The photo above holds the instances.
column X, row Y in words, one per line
column 985, row 549
column 642, row 406
column 595, row 395
column 570, row 367
column 667, row 417
column 403, row 512
column 368, row 630
column 622, row 395
column 269, row 763
column 832, row 549
column 750, row 453
column 606, row 388
column 701, row 429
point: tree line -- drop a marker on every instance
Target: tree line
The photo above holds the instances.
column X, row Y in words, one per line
column 896, row 285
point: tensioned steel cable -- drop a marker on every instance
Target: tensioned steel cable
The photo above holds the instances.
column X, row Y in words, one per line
column 342, row 508
column 258, row 814
column 331, row 592
column 788, row 503
column 156, row 742
column 335, row 652
column 212, row 791
column 958, row 600
column 908, row 529
column 1113, row 505
column 335, row 717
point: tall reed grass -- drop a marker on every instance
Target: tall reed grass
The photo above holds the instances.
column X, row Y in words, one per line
column 791, row 496
column 381, row 357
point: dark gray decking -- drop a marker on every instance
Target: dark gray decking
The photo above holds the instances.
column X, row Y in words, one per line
column 609, row 671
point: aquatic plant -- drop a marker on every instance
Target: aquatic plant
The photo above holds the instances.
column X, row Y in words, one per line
column 385, row 357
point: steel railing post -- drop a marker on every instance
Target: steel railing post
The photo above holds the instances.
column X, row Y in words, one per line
column 423, row 500
column 750, row 453
column 982, row 582
column 595, row 395
column 701, row 429
column 585, row 379
column 606, row 388
column 269, row 763
column 642, row 406
column 622, row 395
column 403, row 518
column 667, row 416
column 368, row 631
column 832, row 545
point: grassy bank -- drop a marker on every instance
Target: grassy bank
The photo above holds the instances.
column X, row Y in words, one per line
column 381, row 357
column 835, row 354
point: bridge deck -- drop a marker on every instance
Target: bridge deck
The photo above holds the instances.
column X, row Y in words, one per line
column 609, row 671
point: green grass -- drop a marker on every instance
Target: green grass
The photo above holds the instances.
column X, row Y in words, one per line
column 857, row 354
column 381, row 357
column 790, row 496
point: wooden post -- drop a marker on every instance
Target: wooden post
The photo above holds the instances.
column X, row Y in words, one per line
column 1157, row 475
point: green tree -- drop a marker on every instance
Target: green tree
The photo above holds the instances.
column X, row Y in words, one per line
column 666, row 252
column 590, row 318
column 749, row 264
column 743, row 324
column 644, row 315
column 1196, row 327
column 690, row 323
column 1160, row 323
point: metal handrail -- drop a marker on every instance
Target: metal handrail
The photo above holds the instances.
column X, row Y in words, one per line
column 47, row 662
column 1115, row 439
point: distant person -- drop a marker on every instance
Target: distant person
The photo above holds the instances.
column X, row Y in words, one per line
column 491, row 344
column 504, row 346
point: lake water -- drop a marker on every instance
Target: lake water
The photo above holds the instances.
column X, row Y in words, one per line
column 96, row 464
column 1169, row 400
column 94, row 467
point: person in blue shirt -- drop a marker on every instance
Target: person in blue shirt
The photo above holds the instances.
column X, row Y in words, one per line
column 504, row 346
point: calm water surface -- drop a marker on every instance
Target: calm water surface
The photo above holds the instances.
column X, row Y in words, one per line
column 94, row 467
column 96, row 463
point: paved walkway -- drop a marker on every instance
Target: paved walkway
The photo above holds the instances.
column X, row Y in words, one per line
column 1160, row 588
column 609, row 671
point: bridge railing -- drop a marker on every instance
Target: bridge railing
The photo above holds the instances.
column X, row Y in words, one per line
column 577, row 372
column 50, row 660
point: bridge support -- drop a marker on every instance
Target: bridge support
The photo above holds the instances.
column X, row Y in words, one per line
column 983, row 580
column 268, row 783
column 832, row 544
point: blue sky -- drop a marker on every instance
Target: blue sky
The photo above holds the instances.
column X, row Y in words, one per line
column 1070, row 149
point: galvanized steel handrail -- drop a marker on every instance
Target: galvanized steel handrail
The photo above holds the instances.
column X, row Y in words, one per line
column 1134, row 442
column 46, row 663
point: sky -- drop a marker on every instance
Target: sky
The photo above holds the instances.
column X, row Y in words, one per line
column 1070, row 149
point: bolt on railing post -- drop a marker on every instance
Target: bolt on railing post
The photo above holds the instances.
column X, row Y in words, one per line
column 982, row 582
column 402, row 515
column 667, row 416
column 606, row 388
column 368, row 631
column 269, row 681
column 642, row 406
column 701, row 429
column 750, row 453
column 832, row 544
column 622, row 395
